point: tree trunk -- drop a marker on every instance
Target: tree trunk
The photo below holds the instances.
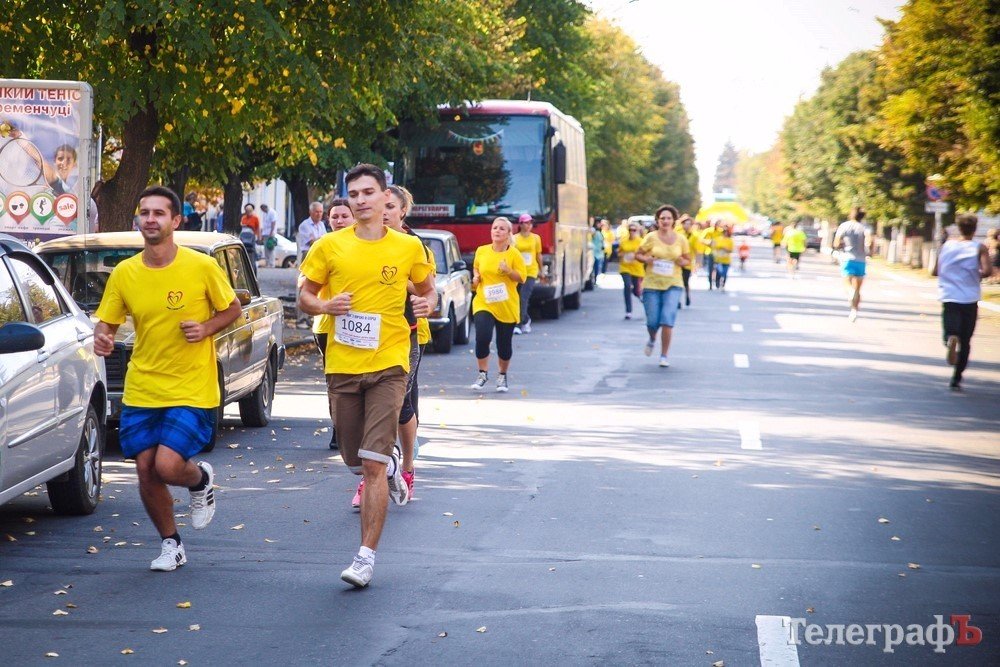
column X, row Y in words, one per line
column 232, row 209
column 179, row 179
column 299, row 191
column 118, row 197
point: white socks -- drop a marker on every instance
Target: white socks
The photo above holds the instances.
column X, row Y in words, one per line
column 367, row 554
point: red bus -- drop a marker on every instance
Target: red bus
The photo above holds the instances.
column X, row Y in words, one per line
column 505, row 157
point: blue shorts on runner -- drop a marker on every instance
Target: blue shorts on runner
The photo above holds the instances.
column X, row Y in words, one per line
column 853, row 268
column 183, row 429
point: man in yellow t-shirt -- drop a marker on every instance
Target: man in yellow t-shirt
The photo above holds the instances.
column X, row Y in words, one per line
column 530, row 247
column 794, row 240
column 178, row 299
column 365, row 269
column 777, row 233
column 723, row 257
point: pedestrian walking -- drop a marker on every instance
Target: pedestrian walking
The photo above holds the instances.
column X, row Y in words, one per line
column 497, row 270
column 308, row 232
column 608, row 237
column 664, row 252
column 178, row 300
column 794, row 241
column 597, row 246
column 851, row 240
column 688, row 231
column 366, row 269
column 631, row 269
column 708, row 248
column 268, row 234
column 744, row 252
column 530, row 247
column 777, row 233
column 961, row 264
column 723, row 254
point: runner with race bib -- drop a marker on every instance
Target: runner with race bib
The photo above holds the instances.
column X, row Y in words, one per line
column 497, row 270
column 664, row 252
column 629, row 267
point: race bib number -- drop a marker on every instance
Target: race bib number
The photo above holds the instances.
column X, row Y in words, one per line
column 495, row 293
column 359, row 330
column 722, row 252
column 528, row 258
column 663, row 267
column 628, row 257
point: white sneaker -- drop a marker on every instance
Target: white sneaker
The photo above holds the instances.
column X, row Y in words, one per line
column 359, row 574
column 517, row 331
column 399, row 490
column 648, row 351
column 527, row 327
column 664, row 363
column 502, row 383
column 171, row 556
column 203, row 502
column 480, row 381
column 628, row 316
column 853, row 317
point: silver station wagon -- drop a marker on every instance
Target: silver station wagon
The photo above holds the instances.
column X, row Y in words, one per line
column 250, row 351
column 53, row 397
column 451, row 322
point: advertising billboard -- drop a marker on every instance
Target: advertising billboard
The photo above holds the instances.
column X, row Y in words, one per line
column 46, row 160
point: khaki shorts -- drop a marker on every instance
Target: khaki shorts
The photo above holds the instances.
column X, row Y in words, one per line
column 365, row 409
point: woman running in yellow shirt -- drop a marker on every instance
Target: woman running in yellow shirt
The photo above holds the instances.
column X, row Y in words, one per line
column 664, row 252
column 631, row 268
column 723, row 257
column 530, row 247
column 497, row 270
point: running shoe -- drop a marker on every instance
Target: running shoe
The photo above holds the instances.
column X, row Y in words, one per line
column 952, row 350
column 356, row 500
column 527, row 327
column 663, row 362
column 480, row 381
column 517, row 331
column 333, row 438
column 955, row 385
column 853, row 316
column 171, row 556
column 408, row 478
column 203, row 502
column 628, row 316
column 359, row 574
column 398, row 490
column 502, row 383
column 648, row 351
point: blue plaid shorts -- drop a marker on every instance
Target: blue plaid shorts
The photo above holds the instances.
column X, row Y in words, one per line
column 183, row 429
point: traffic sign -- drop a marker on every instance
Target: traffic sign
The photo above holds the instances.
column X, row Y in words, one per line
column 936, row 193
column 936, row 207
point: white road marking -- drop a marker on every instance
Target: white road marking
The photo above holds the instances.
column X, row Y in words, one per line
column 741, row 361
column 772, row 639
column 734, row 309
column 737, row 328
column 750, row 435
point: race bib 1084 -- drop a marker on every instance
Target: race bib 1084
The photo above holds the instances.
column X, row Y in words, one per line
column 359, row 330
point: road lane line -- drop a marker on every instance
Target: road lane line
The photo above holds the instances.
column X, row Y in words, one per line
column 772, row 640
column 737, row 328
column 741, row 361
column 750, row 436
column 734, row 309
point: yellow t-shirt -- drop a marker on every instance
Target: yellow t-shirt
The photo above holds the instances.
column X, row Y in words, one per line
column 777, row 232
column 665, row 272
column 609, row 241
column 530, row 249
column 423, row 327
column 374, row 335
column 795, row 240
column 626, row 253
column 723, row 249
column 708, row 236
column 497, row 293
column 165, row 370
column 694, row 240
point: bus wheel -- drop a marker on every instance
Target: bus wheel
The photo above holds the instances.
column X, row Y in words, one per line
column 552, row 309
column 572, row 301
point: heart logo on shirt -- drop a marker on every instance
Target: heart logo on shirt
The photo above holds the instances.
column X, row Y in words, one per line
column 174, row 298
column 388, row 273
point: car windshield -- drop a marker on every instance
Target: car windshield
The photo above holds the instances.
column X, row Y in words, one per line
column 85, row 271
column 478, row 166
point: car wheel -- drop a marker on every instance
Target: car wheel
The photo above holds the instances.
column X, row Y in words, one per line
column 552, row 309
column 288, row 262
column 443, row 337
column 79, row 491
column 255, row 409
column 572, row 301
column 464, row 330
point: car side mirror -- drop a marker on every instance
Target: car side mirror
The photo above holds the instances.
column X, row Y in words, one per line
column 20, row 337
column 459, row 265
column 243, row 296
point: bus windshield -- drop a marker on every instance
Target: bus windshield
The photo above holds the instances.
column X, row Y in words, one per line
column 478, row 166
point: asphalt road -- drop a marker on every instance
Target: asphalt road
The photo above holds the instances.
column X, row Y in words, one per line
column 605, row 511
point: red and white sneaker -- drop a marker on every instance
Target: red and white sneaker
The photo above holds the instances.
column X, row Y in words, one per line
column 408, row 478
column 356, row 500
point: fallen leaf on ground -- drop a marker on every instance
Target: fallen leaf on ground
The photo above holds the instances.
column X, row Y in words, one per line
column 194, row 627
column 51, row 654
column 30, row 533
column 552, row 569
column 269, row 540
column 28, row 519
column 442, row 634
column 482, row 629
column 755, row 566
column 159, row 631
column 10, row 538
column 238, row 526
column 92, row 550
column 273, row 481
column 816, row 527
column 70, row 605
column 448, row 514
column 913, row 566
column 98, row 529
column 183, row 605
column 120, row 544
column 233, row 446
column 60, row 612
column 718, row 463
column 8, row 583
column 182, row 662
column 127, row 651
column 882, row 519
column 720, row 663
column 810, row 610
column 456, row 524
column 895, row 538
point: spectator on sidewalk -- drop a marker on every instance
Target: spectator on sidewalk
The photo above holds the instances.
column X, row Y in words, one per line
column 960, row 266
column 268, row 230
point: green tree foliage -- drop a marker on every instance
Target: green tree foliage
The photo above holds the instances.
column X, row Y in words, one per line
column 941, row 63
column 725, row 171
column 762, row 183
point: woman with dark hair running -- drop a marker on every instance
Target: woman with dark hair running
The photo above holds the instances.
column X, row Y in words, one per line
column 664, row 252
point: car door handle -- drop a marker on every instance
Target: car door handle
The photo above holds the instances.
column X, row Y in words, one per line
column 83, row 335
column 42, row 356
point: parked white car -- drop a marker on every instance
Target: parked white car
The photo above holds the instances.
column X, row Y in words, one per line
column 53, row 388
column 451, row 321
column 286, row 253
